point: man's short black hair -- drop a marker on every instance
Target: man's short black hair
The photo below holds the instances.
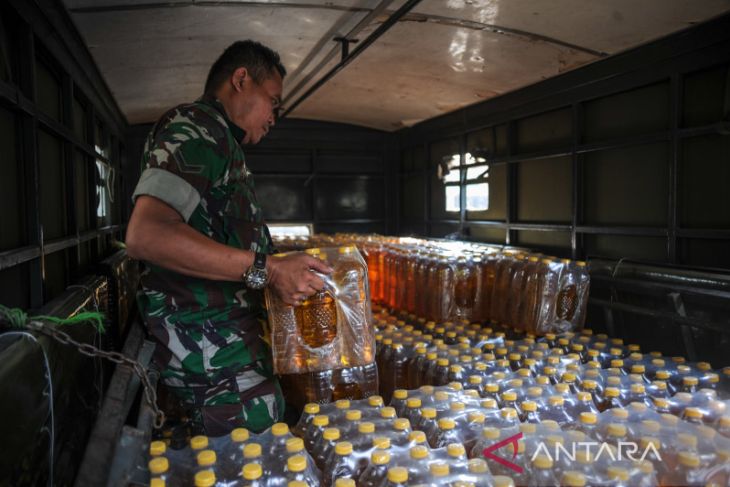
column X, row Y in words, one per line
column 259, row 60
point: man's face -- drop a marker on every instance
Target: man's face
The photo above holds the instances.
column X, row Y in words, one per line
column 254, row 106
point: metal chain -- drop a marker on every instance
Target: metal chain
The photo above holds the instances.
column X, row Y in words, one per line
column 116, row 357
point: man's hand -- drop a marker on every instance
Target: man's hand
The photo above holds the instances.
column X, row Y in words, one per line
column 291, row 276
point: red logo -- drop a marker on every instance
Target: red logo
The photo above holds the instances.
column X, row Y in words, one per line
column 512, row 440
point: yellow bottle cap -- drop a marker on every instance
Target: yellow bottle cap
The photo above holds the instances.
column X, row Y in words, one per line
column 693, row 413
column 387, row 412
column 488, row 403
column 343, row 448
column 618, row 473
column 529, row 406
column 588, row 418
column 239, row 435
column 534, row 391
column 612, row 392
column 620, row 414
column 206, row 458
column 157, row 482
column 476, row 417
column 477, row 465
column 491, row 387
column 638, row 388
column 345, row 483
column 556, row 400
column 446, row 424
column 571, row 478
column 690, row 381
column 159, row 465
column 417, row 437
column 509, row 396
column 645, row 441
column 157, row 448
column 584, row 396
column 442, row 362
column 475, row 379
column 353, row 415
column 502, row 481
column 199, row 442
column 413, row 403
column 401, row 424
column 252, row 450
column 320, row 420
column 331, row 434
column 400, row 394
column 491, row 433
column 375, row 401
column 294, row 445
column 508, row 413
column 687, row 439
column 366, row 427
column 205, row 478
column 441, row 396
column 398, row 475
column 689, row 459
column 311, row 408
column 279, row 429
column 439, row 469
column 380, row 457
column 615, row 429
column 342, row 404
column 542, row 461
column 253, row 471
column 551, row 424
column 418, row 452
column 528, row 428
column 457, row 406
column 542, row 380
column 455, row 450
column 296, row 463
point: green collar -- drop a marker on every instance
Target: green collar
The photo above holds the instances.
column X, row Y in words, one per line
column 238, row 132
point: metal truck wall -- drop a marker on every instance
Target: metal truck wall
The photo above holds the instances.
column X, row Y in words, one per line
column 335, row 176
column 624, row 158
column 52, row 393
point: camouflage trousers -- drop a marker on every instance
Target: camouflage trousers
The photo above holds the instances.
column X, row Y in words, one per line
column 220, row 370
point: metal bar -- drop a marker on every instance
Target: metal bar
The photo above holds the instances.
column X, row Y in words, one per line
column 637, row 231
column 576, row 203
column 29, row 146
column 15, row 96
column 636, row 284
column 392, row 20
column 354, row 220
column 664, row 315
column 11, row 258
column 511, row 215
column 300, row 175
column 462, row 182
column 713, row 233
column 719, row 128
column 675, row 106
column 687, row 338
column 94, row 468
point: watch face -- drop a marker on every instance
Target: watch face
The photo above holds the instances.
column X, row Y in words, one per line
column 256, row 278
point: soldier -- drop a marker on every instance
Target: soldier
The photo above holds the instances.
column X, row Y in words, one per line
column 198, row 226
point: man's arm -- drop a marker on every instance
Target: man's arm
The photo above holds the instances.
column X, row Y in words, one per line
column 158, row 234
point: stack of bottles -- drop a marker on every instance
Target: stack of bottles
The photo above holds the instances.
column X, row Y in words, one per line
column 444, row 280
column 324, row 348
column 274, row 457
column 529, row 292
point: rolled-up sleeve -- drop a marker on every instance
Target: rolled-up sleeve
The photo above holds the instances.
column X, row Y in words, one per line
column 182, row 162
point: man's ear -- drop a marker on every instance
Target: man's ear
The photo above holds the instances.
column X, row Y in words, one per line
column 238, row 78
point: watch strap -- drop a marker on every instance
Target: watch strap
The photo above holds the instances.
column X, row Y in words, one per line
column 259, row 261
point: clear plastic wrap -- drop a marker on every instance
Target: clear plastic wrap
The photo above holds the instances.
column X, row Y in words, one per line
column 331, row 329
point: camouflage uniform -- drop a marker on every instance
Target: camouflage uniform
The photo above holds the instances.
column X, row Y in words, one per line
column 209, row 333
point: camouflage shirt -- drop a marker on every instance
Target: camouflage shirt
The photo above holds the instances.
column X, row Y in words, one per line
column 209, row 333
